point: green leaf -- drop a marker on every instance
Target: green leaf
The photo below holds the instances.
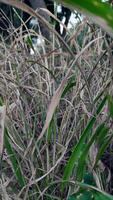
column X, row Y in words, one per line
column 69, row 85
column 72, row 197
column 86, row 195
column 77, row 150
column 15, row 164
column 97, row 193
column 99, row 196
column 101, row 105
column 67, row 88
column 102, row 149
column 29, row 42
column 103, row 133
column 1, row 101
column 110, row 105
column 83, row 157
column 101, row 12
column 89, row 179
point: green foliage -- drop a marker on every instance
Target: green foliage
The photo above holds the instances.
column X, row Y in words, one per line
column 83, row 157
column 80, row 150
column 14, row 161
column 110, row 105
column 102, row 13
column 65, row 150
column 71, row 83
column 88, row 191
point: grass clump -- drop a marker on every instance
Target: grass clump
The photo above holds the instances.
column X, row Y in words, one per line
column 58, row 121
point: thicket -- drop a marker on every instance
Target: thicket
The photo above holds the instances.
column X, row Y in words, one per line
column 56, row 113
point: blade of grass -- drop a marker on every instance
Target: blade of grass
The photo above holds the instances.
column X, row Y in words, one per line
column 102, row 149
column 110, row 105
column 78, row 147
column 70, row 85
column 83, row 157
column 15, row 164
column 54, row 102
column 100, row 193
column 101, row 137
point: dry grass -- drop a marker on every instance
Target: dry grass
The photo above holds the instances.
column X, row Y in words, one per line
column 27, row 84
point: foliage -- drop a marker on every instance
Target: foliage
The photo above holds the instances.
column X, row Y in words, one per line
column 56, row 151
column 100, row 11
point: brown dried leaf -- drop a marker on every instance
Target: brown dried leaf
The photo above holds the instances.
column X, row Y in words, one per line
column 54, row 102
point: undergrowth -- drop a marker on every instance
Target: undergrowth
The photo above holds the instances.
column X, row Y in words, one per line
column 68, row 160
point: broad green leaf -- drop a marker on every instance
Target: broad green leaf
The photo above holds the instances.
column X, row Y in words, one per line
column 77, row 150
column 72, row 198
column 102, row 149
column 101, row 12
column 89, row 179
column 83, row 193
column 83, row 157
column 15, row 164
column 90, row 193
column 86, row 195
column 67, row 88
column 71, row 83
column 103, row 133
column 101, row 105
column 99, row 194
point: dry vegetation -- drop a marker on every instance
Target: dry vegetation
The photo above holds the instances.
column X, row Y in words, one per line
column 27, row 84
